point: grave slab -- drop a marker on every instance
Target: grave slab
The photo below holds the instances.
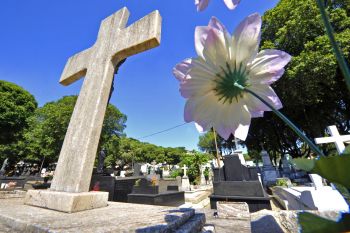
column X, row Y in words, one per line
column 116, row 217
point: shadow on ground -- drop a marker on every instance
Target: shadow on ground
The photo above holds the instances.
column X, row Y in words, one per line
column 266, row 224
column 173, row 220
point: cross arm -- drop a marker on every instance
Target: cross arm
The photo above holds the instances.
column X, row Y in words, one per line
column 142, row 35
column 76, row 67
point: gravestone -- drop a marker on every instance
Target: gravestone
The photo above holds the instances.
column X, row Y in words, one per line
column 286, row 166
column 269, row 171
column 235, row 182
column 137, row 170
column 157, row 192
column 203, row 181
column 101, row 161
column 115, row 42
column 118, row 188
column 185, row 182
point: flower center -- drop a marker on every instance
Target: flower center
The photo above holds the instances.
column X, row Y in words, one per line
column 225, row 83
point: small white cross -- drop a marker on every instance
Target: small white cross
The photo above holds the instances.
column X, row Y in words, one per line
column 185, row 170
column 336, row 138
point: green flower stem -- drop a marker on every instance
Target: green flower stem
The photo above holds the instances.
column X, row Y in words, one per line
column 286, row 120
column 340, row 58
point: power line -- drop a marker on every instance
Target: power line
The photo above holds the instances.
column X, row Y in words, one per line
column 165, row 130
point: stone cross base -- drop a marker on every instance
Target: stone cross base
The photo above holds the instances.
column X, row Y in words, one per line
column 66, row 202
column 185, row 184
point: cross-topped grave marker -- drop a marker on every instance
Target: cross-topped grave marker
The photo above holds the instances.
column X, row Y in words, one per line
column 185, row 170
column 98, row 64
column 335, row 137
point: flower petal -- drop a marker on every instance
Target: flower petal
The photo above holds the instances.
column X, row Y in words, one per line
column 231, row 4
column 242, row 131
column 257, row 114
column 208, row 112
column 246, row 39
column 201, row 34
column 181, row 70
column 233, row 119
column 198, row 80
column 223, row 34
column 201, row 4
column 265, row 92
column 268, row 66
column 199, row 128
column 214, row 51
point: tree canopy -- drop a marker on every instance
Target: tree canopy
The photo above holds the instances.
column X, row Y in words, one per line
column 312, row 90
column 207, row 144
column 48, row 126
column 16, row 105
column 132, row 150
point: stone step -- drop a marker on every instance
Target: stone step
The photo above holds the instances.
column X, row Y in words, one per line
column 193, row 225
column 174, row 219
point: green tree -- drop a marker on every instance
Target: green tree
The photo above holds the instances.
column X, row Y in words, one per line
column 312, row 90
column 193, row 161
column 207, row 144
column 16, row 106
column 49, row 124
column 132, row 150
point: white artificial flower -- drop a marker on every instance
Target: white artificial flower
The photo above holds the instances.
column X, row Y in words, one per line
column 208, row 81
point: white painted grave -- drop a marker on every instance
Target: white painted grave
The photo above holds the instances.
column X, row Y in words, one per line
column 319, row 197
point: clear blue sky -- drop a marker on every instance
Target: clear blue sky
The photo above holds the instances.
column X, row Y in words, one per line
column 38, row 36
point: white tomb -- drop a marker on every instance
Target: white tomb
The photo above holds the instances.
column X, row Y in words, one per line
column 319, row 197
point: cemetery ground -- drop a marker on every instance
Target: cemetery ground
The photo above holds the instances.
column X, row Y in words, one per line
column 192, row 212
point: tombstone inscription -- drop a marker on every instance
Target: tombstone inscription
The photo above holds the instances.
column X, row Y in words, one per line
column 98, row 63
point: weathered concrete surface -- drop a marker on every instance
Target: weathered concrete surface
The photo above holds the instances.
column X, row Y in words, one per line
column 225, row 225
column 237, row 210
column 12, row 194
column 66, row 202
column 267, row 221
column 116, row 217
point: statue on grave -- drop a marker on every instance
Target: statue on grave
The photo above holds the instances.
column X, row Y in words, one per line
column 101, row 161
column 3, row 167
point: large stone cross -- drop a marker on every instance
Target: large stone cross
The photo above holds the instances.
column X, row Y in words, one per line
column 336, row 138
column 115, row 42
